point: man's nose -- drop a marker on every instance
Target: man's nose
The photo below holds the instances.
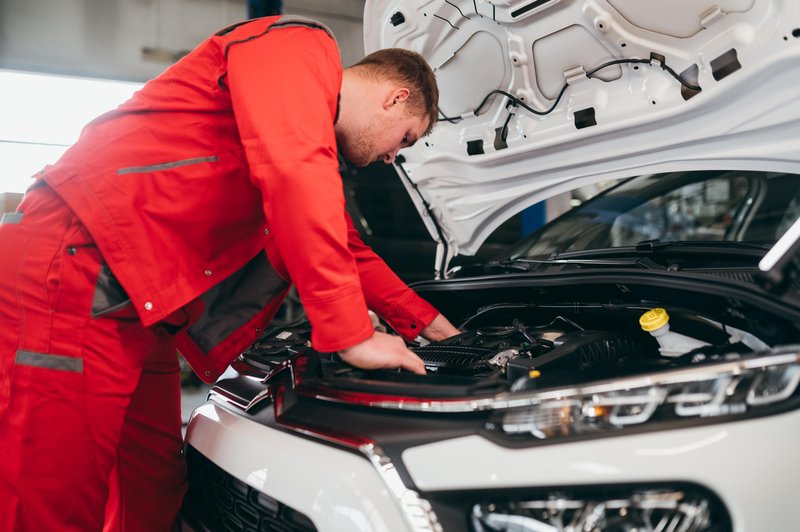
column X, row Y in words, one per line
column 389, row 157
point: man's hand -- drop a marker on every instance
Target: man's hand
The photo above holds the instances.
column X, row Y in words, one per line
column 439, row 329
column 383, row 351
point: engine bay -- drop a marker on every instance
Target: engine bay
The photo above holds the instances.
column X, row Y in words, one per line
column 510, row 346
column 519, row 349
column 541, row 332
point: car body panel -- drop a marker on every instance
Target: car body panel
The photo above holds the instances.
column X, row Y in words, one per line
column 747, row 119
column 337, row 489
column 341, row 491
column 732, row 459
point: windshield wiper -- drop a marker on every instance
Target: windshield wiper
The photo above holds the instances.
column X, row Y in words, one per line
column 526, row 264
column 656, row 247
column 640, row 255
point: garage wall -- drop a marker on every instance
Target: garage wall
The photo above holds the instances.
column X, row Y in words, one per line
column 137, row 39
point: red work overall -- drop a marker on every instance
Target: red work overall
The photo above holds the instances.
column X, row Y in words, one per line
column 179, row 219
column 80, row 397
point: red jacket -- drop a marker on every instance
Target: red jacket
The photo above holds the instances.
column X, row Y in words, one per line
column 216, row 186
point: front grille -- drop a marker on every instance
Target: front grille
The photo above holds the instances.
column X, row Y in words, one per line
column 217, row 501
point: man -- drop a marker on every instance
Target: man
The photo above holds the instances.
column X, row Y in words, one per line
column 180, row 219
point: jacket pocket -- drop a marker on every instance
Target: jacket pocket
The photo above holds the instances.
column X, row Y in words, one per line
column 109, row 299
column 72, row 275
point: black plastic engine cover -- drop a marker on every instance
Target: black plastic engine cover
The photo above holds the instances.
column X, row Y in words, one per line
column 585, row 350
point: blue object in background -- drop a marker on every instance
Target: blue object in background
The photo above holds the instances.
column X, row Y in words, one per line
column 263, row 8
column 533, row 218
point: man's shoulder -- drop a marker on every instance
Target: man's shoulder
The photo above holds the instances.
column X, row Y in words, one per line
column 249, row 29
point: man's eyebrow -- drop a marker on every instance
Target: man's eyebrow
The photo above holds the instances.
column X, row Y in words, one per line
column 412, row 142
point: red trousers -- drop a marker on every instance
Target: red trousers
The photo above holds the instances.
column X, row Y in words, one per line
column 90, row 428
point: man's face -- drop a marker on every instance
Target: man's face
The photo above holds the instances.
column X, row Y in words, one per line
column 382, row 135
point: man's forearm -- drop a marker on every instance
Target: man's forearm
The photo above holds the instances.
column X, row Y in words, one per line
column 439, row 329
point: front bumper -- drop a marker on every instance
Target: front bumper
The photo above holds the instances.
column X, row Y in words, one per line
column 750, row 465
column 336, row 489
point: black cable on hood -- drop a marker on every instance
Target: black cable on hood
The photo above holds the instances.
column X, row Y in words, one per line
column 590, row 74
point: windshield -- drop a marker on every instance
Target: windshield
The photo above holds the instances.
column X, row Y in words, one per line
column 718, row 206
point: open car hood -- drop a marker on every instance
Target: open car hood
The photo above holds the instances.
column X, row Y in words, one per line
column 477, row 169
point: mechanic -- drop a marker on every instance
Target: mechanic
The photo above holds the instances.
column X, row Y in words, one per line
column 180, row 220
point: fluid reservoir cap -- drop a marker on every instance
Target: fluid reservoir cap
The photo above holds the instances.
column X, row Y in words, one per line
column 654, row 319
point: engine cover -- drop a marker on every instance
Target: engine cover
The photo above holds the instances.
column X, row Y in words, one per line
column 516, row 350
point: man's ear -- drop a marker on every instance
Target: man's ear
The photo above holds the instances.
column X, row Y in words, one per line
column 396, row 96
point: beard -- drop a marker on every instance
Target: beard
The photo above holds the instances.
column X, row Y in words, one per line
column 359, row 147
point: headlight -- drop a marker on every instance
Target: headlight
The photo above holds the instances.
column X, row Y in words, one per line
column 751, row 386
column 687, row 508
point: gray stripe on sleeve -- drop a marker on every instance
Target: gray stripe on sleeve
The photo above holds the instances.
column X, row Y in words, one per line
column 11, row 218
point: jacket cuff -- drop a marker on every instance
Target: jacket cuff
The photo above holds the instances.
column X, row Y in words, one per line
column 338, row 323
column 410, row 316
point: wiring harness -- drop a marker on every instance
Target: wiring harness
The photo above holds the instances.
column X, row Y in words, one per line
column 516, row 102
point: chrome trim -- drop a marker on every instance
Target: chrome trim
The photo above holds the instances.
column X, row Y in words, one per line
column 262, row 393
column 167, row 166
column 48, row 361
column 506, row 400
column 221, row 393
column 417, row 511
column 239, row 401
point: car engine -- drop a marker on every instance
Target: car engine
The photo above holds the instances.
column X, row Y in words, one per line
column 532, row 347
column 517, row 349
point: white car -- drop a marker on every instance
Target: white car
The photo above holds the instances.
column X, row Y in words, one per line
column 632, row 385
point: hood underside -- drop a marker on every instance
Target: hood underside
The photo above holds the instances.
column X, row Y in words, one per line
column 592, row 90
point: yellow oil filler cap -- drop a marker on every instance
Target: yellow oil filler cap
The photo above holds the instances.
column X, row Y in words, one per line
column 654, row 319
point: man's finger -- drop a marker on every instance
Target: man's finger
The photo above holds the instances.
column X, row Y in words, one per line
column 414, row 364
